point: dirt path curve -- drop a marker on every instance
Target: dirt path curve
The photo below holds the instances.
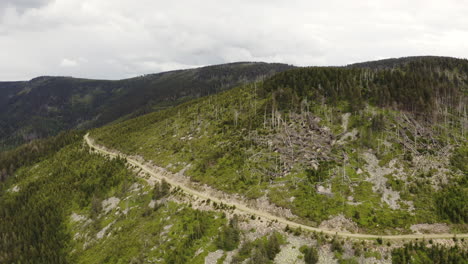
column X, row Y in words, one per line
column 241, row 208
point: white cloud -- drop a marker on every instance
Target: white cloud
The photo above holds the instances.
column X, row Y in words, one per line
column 69, row 63
column 123, row 38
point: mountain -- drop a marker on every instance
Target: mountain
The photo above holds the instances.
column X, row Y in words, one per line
column 382, row 147
column 362, row 164
column 46, row 105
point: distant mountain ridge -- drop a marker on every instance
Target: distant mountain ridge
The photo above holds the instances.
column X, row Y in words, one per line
column 46, row 105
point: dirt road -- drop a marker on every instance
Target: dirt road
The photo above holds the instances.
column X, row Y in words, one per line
column 242, row 208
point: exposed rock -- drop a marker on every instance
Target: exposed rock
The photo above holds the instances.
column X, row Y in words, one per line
column 289, row 253
column 135, row 187
column 322, row 190
column 377, row 178
column 110, row 204
column 326, row 256
column 78, row 218
column 348, row 136
column 430, row 228
column 103, row 231
column 14, row 189
column 339, row 223
column 345, row 121
column 212, row 257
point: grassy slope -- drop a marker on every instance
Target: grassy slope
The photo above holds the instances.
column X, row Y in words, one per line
column 234, row 142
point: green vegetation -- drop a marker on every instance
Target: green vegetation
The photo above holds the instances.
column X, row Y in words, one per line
column 311, row 255
column 45, row 106
column 452, row 204
column 419, row 253
column 284, row 138
column 36, row 215
column 34, row 152
column 161, row 189
column 373, row 254
column 262, row 250
column 53, row 212
column 451, row 200
column 229, row 236
column 172, row 233
column 337, row 245
column 348, row 261
column 458, row 159
column 383, row 145
column 412, row 87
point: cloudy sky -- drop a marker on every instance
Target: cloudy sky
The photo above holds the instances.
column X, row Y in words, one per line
column 116, row 39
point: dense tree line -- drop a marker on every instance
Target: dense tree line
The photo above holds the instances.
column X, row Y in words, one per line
column 420, row 253
column 161, row 189
column 34, row 151
column 437, row 62
column 262, row 250
column 419, row 86
column 33, row 218
column 451, row 203
column 229, row 236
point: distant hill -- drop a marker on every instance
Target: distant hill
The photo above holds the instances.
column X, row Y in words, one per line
column 46, row 105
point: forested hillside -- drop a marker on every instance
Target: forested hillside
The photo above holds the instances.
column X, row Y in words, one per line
column 63, row 207
column 377, row 149
column 45, row 106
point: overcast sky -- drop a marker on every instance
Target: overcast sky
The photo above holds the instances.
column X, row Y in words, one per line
column 114, row 39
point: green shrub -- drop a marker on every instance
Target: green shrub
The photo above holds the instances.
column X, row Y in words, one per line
column 436, row 254
column 336, row 245
column 161, row 189
column 228, row 238
column 311, row 255
column 459, row 158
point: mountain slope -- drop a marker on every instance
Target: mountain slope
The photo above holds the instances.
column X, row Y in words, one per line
column 159, row 174
column 73, row 206
column 376, row 150
column 362, row 150
column 46, row 105
column 64, row 207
